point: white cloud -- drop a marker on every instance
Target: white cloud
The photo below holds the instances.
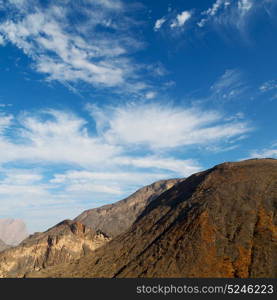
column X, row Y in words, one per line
column 114, row 183
column 56, row 137
column 268, row 86
column 164, row 127
column 245, row 5
column 111, row 4
column 177, row 166
column 173, row 20
column 81, row 188
column 45, row 140
column 150, row 95
column 75, row 53
column 74, row 176
column 159, row 23
column 181, row 19
column 5, row 122
column 53, row 160
column 229, row 86
column 225, row 13
column 212, row 11
column 18, row 177
column 270, row 152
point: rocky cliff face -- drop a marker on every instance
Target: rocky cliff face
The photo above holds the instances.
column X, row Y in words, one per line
column 116, row 218
column 12, row 231
column 3, row 246
column 217, row 223
column 63, row 243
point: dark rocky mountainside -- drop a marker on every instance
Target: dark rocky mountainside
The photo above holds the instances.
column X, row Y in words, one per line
column 12, row 231
column 62, row 243
column 3, row 246
column 116, row 218
column 218, row 223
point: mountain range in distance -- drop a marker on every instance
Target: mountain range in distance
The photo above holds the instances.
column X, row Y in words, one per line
column 221, row 222
column 12, row 231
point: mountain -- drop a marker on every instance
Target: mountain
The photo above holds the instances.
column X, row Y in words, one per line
column 116, row 218
column 3, row 246
column 218, row 223
column 62, row 243
column 69, row 240
column 12, row 231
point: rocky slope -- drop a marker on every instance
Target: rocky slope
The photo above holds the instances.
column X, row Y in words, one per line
column 217, row 223
column 116, row 218
column 3, row 246
column 62, row 243
column 12, row 231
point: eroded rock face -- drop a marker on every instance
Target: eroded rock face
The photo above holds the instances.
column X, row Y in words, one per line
column 12, row 231
column 63, row 243
column 116, row 218
column 217, row 223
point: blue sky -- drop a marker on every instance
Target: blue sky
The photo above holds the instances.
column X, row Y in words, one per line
column 101, row 97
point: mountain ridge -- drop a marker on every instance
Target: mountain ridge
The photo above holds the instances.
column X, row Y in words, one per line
column 115, row 218
column 221, row 222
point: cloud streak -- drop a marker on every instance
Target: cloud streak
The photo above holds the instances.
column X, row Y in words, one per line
column 80, row 53
column 164, row 127
column 224, row 14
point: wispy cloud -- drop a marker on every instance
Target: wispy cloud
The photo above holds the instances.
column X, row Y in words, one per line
column 229, row 86
column 51, row 158
column 164, row 127
column 270, row 152
column 94, row 49
column 270, row 88
column 43, row 137
column 232, row 14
